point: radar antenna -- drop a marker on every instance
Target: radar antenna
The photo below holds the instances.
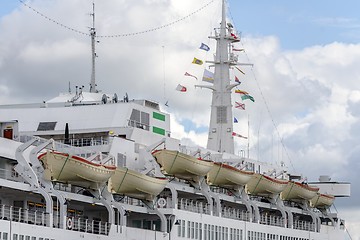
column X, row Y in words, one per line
column 93, row 53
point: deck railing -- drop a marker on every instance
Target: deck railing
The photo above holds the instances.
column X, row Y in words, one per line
column 304, row 225
column 272, row 220
column 193, row 206
column 18, row 214
column 235, row 214
column 35, row 217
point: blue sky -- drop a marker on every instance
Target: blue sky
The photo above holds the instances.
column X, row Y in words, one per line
column 305, row 55
column 297, row 23
column 300, row 23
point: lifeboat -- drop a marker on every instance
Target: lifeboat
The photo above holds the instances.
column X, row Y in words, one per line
column 224, row 175
column 134, row 184
column 66, row 168
column 296, row 191
column 182, row 165
column 266, row 186
column 322, row 200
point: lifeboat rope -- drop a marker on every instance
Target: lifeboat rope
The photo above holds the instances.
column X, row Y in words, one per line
column 218, row 172
column 293, row 183
column 122, row 180
column 257, row 184
column 177, row 152
column 62, row 168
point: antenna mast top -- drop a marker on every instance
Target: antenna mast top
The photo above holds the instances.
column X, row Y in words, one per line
column 93, row 53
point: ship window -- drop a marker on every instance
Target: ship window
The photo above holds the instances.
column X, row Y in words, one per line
column 183, row 228
column 15, row 236
column 46, row 126
column 145, row 120
column 200, row 230
column 179, row 229
column 221, row 114
column 188, row 229
column 139, row 119
column 5, row 235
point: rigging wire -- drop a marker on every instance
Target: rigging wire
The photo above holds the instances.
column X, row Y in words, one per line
column 265, row 102
column 347, row 231
column 117, row 35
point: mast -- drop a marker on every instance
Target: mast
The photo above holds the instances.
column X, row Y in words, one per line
column 220, row 137
column 93, row 53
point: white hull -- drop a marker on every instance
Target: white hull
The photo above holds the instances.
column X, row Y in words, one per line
column 262, row 185
column 115, row 232
column 65, row 168
column 181, row 165
column 134, row 184
column 297, row 191
column 227, row 176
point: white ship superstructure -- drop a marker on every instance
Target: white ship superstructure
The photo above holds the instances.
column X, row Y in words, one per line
column 90, row 165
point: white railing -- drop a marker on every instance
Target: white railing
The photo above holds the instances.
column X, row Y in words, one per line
column 18, row 214
column 193, row 206
column 235, row 214
column 272, row 220
column 304, row 225
column 36, row 217
column 89, row 226
column 10, row 175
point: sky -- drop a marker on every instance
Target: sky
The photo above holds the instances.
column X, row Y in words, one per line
column 304, row 79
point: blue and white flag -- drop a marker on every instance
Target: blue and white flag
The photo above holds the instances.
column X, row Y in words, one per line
column 235, row 120
column 208, row 76
column 204, row 47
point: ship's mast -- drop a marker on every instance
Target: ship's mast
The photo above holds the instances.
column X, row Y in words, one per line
column 93, row 53
column 220, row 137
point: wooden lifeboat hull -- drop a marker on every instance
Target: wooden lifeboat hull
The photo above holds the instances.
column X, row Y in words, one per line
column 322, row 200
column 224, row 175
column 134, row 184
column 266, row 186
column 297, row 191
column 65, row 168
column 182, row 165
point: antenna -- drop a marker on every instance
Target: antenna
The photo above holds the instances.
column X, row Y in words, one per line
column 93, row 53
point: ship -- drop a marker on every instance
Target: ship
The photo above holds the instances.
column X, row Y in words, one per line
column 88, row 165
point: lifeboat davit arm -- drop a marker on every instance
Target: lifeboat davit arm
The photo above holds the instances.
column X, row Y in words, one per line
column 149, row 162
column 32, row 171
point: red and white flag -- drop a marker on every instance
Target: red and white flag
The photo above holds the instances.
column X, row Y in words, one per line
column 240, row 105
column 238, row 135
column 189, row 75
column 181, row 88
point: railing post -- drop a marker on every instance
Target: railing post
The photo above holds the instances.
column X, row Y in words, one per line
column 20, row 210
column 26, row 215
column 86, row 225
column 11, row 213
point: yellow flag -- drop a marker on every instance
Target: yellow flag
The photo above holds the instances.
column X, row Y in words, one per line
column 197, row 61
